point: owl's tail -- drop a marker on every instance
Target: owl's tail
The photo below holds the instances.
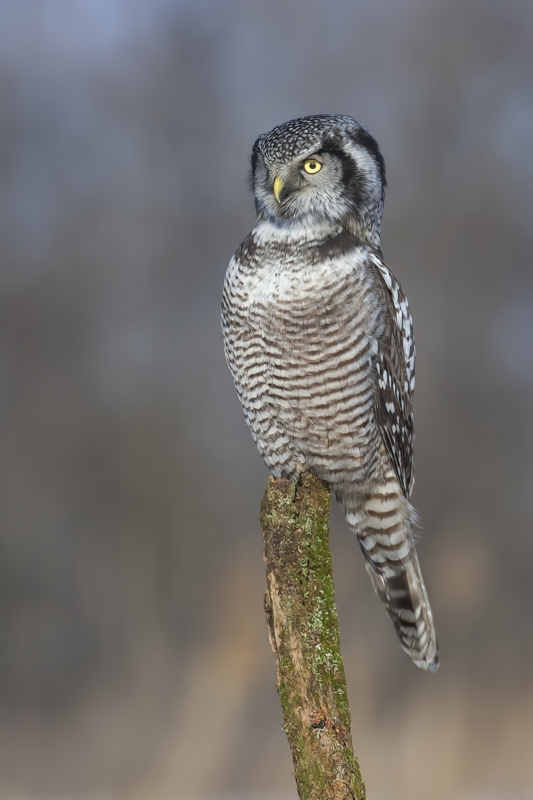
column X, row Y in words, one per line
column 383, row 525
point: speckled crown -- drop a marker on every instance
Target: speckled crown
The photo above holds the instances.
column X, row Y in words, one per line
column 284, row 142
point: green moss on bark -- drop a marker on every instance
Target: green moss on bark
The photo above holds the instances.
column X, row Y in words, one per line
column 304, row 633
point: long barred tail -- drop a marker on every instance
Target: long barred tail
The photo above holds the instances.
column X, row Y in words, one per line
column 383, row 523
column 402, row 592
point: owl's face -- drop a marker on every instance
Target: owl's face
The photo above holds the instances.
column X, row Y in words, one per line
column 323, row 169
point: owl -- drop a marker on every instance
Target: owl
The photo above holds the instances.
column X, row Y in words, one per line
column 318, row 337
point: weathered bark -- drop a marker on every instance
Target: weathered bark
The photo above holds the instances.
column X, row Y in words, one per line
column 304, row 634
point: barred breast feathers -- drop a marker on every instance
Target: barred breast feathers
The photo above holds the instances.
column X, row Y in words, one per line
column 310, row 316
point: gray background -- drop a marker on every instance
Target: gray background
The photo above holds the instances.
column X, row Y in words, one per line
column 134, row 660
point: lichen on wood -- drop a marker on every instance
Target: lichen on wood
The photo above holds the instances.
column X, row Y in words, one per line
column 304, row 635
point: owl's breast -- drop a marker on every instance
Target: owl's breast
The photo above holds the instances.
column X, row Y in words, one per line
column 303, row 334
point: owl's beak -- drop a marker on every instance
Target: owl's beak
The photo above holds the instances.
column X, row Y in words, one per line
column 277, row 186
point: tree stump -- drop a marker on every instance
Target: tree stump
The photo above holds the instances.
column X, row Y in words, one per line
column 304, row 635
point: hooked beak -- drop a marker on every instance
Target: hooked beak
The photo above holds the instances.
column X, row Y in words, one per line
column 277, row 186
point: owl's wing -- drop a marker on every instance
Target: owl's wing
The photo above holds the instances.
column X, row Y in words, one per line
column 395, row 367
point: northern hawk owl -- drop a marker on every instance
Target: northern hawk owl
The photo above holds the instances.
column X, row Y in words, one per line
column 318, row 337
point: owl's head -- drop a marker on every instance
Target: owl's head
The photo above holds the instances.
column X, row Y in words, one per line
column 320, row 170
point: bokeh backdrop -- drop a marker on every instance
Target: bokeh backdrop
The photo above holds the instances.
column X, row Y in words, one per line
column 134, row 659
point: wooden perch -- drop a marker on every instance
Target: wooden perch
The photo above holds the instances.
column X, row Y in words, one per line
column 304, row 634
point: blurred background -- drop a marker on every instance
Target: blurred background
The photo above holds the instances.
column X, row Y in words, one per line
column 134, row 657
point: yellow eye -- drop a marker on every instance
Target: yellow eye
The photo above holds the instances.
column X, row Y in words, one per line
column 312, row 166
